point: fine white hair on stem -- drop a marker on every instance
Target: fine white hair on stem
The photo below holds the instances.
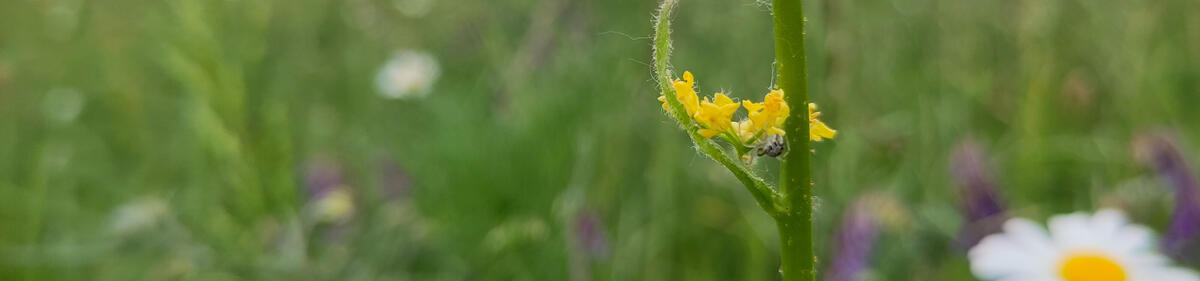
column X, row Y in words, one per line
column 765, row 4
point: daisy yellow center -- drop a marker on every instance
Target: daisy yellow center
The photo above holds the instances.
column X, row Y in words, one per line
column 1090, row 267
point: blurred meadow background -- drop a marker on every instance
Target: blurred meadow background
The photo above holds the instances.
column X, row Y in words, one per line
column 521, row 139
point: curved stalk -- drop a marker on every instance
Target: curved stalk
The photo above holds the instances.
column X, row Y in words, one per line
column 766, row 197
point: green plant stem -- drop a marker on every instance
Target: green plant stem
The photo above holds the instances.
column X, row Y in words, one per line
column 798, row 262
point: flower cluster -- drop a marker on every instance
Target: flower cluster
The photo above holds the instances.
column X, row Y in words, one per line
column 715, row 116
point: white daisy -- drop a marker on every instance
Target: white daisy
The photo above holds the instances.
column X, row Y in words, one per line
column 408, row 74
column 1079, row 247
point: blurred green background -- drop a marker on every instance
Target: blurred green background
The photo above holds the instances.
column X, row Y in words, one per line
column 250, row 140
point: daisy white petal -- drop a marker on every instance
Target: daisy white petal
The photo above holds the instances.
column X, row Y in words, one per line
column 1107, row 222
column 1078, row 247
column 1072, row 230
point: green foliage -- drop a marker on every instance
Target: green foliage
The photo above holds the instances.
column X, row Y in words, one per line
column 203, row 118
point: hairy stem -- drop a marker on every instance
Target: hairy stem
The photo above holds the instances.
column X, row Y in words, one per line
column 795, row 225
column 766, row 197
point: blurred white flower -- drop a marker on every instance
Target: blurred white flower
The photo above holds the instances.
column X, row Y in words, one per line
column 414, row 8
column 137, row 215
column 62, row 19
column 63, row 105
column 1078, row 247
column 407, row 74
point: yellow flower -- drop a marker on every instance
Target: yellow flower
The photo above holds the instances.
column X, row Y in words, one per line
column 685, row 92
column 716, row 116
column 337, row 206
column 744, row 130
column 817, row 130
column 768, row 116
column 776, row 110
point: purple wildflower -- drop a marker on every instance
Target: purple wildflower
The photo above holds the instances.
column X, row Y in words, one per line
column 853, row 242
column 590, row 235
column 984, row 214
column 329, row 198
column 322, row 177
column 395, row 181
column 1162, row 153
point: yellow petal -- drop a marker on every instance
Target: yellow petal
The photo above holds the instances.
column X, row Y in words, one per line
column 708, row 107
column 722, row 99
column 729, row 108
column 685, row 92
column 759, row 119
column 776, row 94
column 752, row 106
column 742, row 129
column 663, row 99
column 775, row 130
column 708, row 133
column 819, row 130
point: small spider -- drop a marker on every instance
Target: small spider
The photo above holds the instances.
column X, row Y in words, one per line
column 773, row 145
